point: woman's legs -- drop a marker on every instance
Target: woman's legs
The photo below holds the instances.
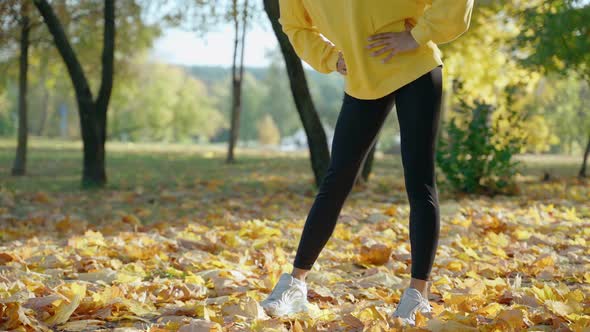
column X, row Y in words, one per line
column 418, row 109
column 356, row 130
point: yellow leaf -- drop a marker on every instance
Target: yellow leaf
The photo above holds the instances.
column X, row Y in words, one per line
column 559, row 308
column 544, row 261
column 194, row 279
column 200, row 325
column 521, row 234
column 140, row 308
column 82, row 325
column 455, row 266
column 352, row 321
column 421, row 319
column 13, row 315
column 543, row 294
column 377, row 254
column 490, row 310
column 497, row 251
column 74, row 293
column 437, row 325
column 297, row 327
column 514, row 318
column 370, row 314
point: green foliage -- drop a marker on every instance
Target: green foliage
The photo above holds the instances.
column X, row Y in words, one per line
column 474, row 158
column 267, row 91
column 162, row 103
column 268, row 132
column 563, row 105
column 7, row 124
column 562, row 42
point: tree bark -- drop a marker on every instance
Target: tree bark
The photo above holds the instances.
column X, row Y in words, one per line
column 20, row 160
column 44, row 111
column 45, row 99
column 235, row 111
column 108, row 68
column 316, row 136
column 582, row 172
column 92, row 114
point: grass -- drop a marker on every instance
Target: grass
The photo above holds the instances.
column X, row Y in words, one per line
column 56, row 166
column 153, row 171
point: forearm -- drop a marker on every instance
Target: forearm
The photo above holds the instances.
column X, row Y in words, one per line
column 306, row 40
column 443, row 22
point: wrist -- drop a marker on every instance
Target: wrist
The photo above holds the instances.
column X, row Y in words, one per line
column 420, row 35
column 333, row 60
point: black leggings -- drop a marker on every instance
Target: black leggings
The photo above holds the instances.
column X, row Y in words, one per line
column 418, row 110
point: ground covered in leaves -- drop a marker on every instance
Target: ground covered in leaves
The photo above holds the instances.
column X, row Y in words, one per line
column 181, row 241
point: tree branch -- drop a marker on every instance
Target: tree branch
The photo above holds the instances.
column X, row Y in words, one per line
column 108, row 55
column 62, row 43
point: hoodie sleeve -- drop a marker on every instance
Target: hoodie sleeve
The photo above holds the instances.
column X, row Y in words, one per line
column 305, row 38
column 443, row 21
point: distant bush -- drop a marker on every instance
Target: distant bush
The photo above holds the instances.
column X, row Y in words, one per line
column 268, row 132
column 7, row 122
column 477, row 156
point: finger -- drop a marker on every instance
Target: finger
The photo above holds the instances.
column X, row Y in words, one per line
column 381, row 51
column 387, row 58
column 379, row 36
column 381, row 42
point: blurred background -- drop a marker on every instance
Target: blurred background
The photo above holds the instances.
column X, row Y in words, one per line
column 211, row 76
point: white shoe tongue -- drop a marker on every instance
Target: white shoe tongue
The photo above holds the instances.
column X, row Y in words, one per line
column 414, row 293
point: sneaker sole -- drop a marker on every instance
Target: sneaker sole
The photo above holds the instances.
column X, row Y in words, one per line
column 294, row 309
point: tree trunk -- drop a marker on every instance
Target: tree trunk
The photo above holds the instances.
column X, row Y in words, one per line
column 582, row 172
column 108, row 69
column 44, row 112
column 20, row 160
column 45, row 99
column 316, row 136
column 235, row 110
column 92, row 114
column 239, row 82
column 93, row 173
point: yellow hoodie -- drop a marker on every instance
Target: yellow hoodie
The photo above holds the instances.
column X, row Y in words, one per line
column 346, row 24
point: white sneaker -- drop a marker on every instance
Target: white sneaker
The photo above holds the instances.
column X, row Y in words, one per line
column 411, row 302
column 288, row 296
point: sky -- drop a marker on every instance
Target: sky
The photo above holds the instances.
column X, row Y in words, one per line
column 215, row 48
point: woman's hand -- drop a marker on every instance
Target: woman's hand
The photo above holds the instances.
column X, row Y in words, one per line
column 393, row 42
column 341, row 65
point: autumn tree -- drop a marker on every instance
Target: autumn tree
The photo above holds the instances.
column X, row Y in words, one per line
column 92, row 111
column 316, row 136
column 240, row 23
column 561, row 46
column 20, row 160
column 16, row 20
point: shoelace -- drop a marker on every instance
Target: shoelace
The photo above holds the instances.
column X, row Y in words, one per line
column 281, row 287
column 423, row 303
